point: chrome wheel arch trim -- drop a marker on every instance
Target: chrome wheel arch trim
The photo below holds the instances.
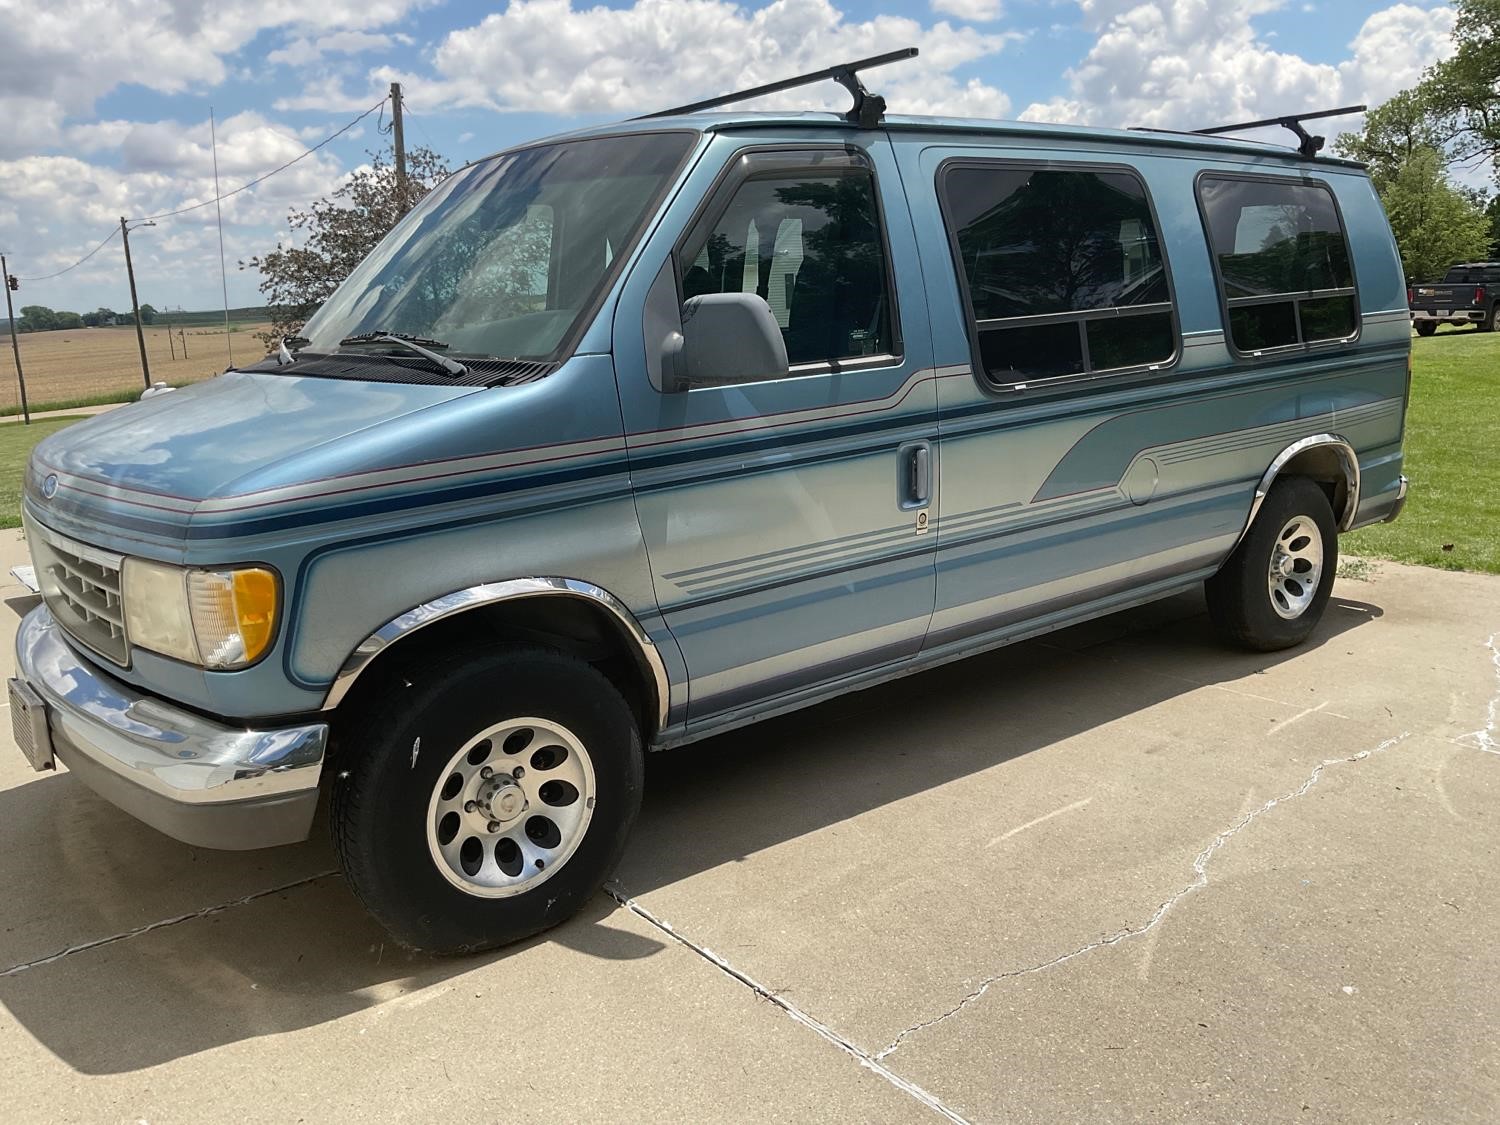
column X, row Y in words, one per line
column 1348, row 460
column 493, row 593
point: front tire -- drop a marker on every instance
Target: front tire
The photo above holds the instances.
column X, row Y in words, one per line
column 1271, row 592
column 485, row 797
column 1426, row 327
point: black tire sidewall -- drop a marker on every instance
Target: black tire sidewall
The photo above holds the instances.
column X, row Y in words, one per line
column 392, row 867
column 1426, row 329
column 1264, row 627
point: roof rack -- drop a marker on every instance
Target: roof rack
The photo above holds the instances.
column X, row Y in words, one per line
column 1307, row 145
column 868, row 109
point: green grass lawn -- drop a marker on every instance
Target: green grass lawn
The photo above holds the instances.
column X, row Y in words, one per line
column 16, row 440
column 1452, row 516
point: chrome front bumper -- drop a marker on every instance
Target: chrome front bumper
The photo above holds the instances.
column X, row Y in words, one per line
column 200, row 781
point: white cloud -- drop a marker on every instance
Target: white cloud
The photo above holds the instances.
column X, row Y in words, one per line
column 327, row 93
column 550, row 56
column 303, row 50
column 58, row 207
column 60, row 57
column 1187, row 63
column 976, row 11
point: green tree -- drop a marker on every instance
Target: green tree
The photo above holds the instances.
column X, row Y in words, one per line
column 1464, row 89
column 100, row 316
column 148, row 314
column 335, row 234
column 1492, row 210
column 1435, row 223
column 36, row 318
column 62, row 320
column 1394, row 132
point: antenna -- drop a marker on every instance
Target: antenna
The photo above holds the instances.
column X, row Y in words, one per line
column 1307, row 144
column 868, row 109
column 213, row 139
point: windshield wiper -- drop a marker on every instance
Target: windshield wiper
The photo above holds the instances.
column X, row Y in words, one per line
column 284, row 356
column 411, row 343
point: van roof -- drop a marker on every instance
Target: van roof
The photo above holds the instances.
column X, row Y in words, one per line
column 727, row 121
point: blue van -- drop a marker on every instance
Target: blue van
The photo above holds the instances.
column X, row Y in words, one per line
column 626, row 438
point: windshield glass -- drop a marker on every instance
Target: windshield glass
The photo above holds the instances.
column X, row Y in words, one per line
column 506, row 257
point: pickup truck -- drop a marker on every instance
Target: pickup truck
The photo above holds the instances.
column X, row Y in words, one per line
column 1468, row 294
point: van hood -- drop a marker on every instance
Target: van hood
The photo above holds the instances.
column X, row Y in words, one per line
column 240, row 432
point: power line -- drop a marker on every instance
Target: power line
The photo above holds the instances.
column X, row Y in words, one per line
column 415, row 120
column 75, row 265
column 217, row 198
column 273, row 171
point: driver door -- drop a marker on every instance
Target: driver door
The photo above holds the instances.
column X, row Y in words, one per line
column 786, row 520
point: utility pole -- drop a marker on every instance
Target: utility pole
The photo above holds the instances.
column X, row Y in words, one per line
column 135, row 305
column 15, row 346
column 403, row 198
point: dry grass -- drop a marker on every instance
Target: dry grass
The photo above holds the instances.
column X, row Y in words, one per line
column 81, row 364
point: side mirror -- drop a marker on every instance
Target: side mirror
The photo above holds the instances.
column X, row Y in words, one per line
column 726, row 338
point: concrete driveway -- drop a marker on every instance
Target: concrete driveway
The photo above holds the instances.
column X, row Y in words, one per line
column 1118, row 874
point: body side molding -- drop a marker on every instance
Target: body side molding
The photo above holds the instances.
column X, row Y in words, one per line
column 492, row 593
column 1348, row 462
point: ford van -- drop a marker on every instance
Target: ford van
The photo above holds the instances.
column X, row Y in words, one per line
column 623, row 439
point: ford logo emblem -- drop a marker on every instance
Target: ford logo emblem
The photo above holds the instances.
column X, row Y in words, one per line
column 49, row 486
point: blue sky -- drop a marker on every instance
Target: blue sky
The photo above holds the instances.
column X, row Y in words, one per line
column 107, row 106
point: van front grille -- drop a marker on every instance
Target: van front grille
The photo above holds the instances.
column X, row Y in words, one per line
column 81, row 586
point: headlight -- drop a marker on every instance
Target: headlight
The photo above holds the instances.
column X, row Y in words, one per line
column 214, row 618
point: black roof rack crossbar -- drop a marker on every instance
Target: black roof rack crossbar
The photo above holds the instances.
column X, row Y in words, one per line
column 1307, row 145
column 868, row 109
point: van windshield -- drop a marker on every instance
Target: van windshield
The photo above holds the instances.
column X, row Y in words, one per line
column 508, row 257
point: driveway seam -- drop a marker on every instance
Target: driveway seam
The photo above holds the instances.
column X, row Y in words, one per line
column 872, row 1063
column 1199, row 881
column 163, row 924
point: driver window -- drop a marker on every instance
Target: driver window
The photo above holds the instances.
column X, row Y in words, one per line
column 809, row 244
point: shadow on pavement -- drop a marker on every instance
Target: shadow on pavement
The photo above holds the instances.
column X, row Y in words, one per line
column 309, row 954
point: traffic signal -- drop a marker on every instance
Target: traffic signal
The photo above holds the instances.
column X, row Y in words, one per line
column 14, row 282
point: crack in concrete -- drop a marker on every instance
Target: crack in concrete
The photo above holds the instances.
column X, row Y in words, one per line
column 1199, row 881
column 1485, row 737
column 84, row 947
column 615, row 891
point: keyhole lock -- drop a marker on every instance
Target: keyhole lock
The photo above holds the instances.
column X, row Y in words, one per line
column 921, row 522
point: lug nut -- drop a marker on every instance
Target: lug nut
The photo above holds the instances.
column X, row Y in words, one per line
column 518, row 773
column 470, row 806
column 486, row 773
column 494, row 826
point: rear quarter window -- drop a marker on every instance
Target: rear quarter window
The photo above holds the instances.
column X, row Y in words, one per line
column 1281, row 258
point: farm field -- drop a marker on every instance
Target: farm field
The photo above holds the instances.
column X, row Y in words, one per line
column 78, row 366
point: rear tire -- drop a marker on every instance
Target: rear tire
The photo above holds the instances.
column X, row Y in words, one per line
column 485, row 797
column 1488, row 323
column 1271, row 592
column 1426, row 327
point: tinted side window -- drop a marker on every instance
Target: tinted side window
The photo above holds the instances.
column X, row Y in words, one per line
column 1063, row 270
column 810, row 244
column 1283, row 262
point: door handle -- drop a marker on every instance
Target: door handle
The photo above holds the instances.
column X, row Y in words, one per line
column 913, row 475
column 921, row 474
